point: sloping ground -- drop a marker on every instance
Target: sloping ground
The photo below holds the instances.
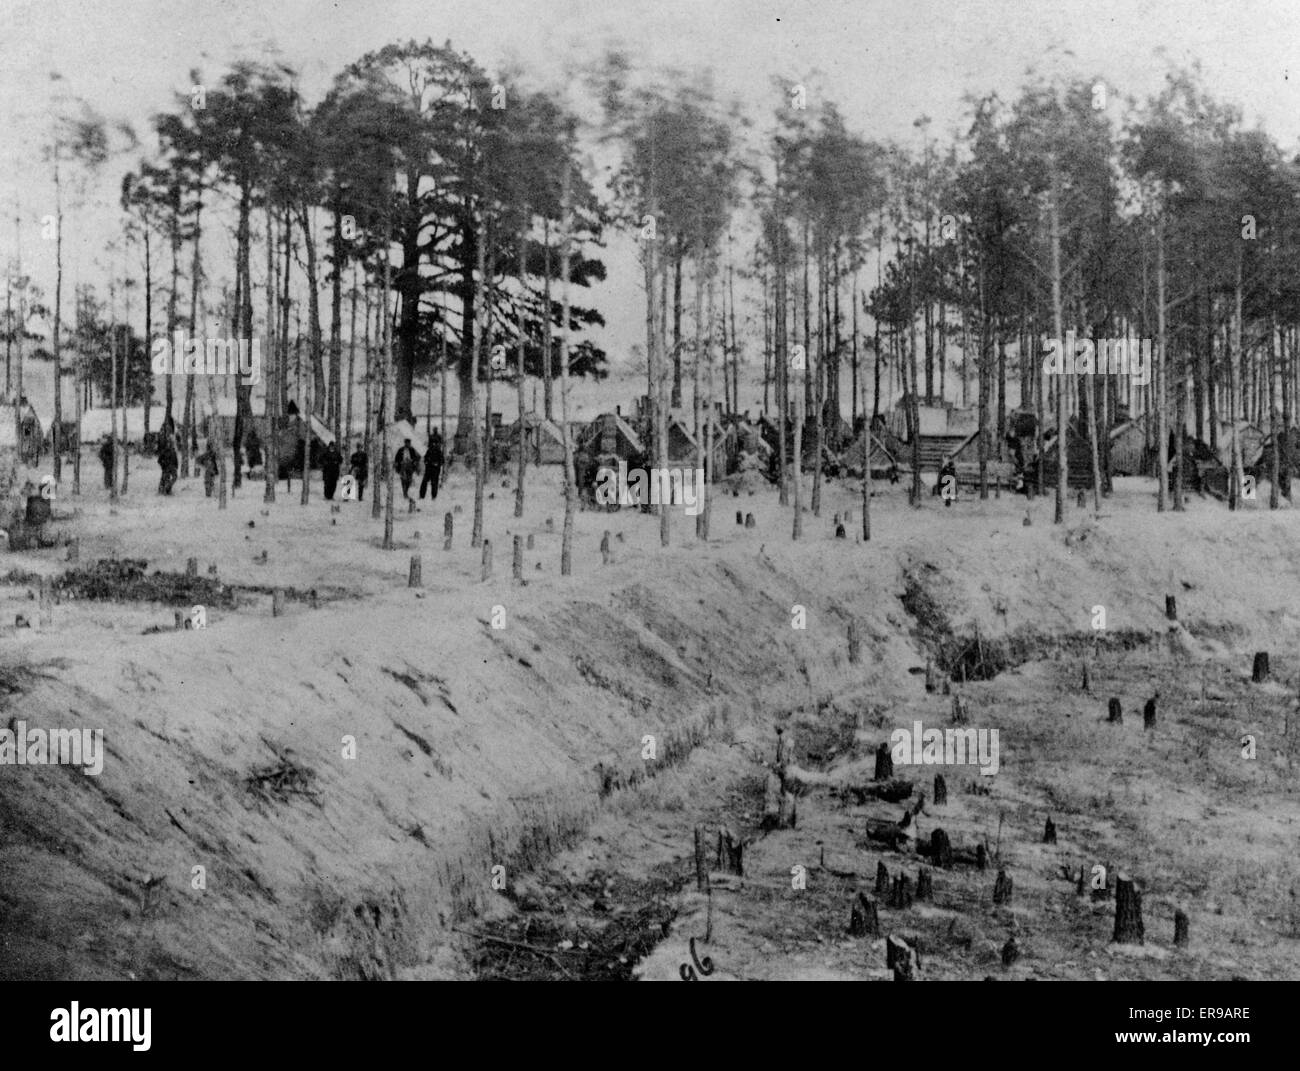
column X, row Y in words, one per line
column 478, row 747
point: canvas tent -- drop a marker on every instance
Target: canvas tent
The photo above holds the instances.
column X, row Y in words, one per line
column 543, row 440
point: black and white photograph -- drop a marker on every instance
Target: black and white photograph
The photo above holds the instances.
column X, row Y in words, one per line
column 614, row 491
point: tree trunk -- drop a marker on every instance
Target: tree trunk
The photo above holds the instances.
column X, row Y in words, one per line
column 570, row 481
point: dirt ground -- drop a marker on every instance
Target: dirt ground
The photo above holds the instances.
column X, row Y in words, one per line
column 521, row 747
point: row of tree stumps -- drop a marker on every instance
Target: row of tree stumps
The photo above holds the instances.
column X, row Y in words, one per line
column 519, row 545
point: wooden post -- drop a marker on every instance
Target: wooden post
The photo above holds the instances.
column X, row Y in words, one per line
column 1149, row 712
column 1259, row 672
column 940, row 791
column 864, row 921
column 1087, row 680
column 1049, row 833
column 179, row 620
column 840, row 533
column 1180, row 929
column 1171, row 608
column 1116, row 714
column 277, row 602
column 740, row 518
column 884, row 763
column 530, row 541
column 784, row 749
column 446, row 531
column 487, row 559
column 924, row 885
column 940, row 849
column 882, row 878
column 901, row 896
column 517, row 567
column 960, row 711
column 192, row 567
column 605, row 552
column 855, row 644
column 1002, row 888
column 74, row 551
column 313, row 600
column 1128, row 912
column 981, row 857
column 1082, row 500
column 46, row 603
column 413, row 578
column 931, row 684
column 749, row 521
column 701, row 861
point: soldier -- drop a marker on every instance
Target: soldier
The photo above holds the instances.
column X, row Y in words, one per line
column 331, row 464
column 168, row 463
column 208, row 463
column 359, row 466
column 406, row 462
column 432, row 466
column 106, row 459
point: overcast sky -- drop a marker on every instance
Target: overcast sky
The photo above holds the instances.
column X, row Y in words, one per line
column 885, row 62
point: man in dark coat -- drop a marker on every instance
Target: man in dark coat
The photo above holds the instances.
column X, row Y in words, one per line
column 169, row 463
column 210, row 466
column 359, row 466
column 405, row 463
column 330, row 466
column 432, row 466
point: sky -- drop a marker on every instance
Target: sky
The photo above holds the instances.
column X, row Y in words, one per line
column 884, row 62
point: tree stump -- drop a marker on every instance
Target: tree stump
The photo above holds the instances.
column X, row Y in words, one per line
column 1081, row 888
column 277, row 602
column 1149, row 712
column 487, row 560
column 947, row 689
column 884, row 763
column 898, row 957
column 313, row 600
column 864, row 920
column 931, row 682
column 212, row 569
column 731, row 853
column 960, row 710
column 530, row 541
column 1010, row 952
column 179, row 620
column 778, row 805
column 701, row 861
column 74, row 551
column 901, row 896
column 882, row 878
column 924, row 885
column 940, row 849
column 784, row 748
column 1180, row 929
column 1087, row 680
column 1259, row 672
column 749, row 521
column 517, row 562
column 855, row 644
column 1002, row 888
column 447, row 523
column 1128, row 912
column 1049, row 833
column 1082, row 500
column 840, row 533
column 605, row 552
column 192, row 567
column 981, row 857
column 940, row 791
column 550, row 524
column 1115, row 712
column 413, row 577
column 1171, row 608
